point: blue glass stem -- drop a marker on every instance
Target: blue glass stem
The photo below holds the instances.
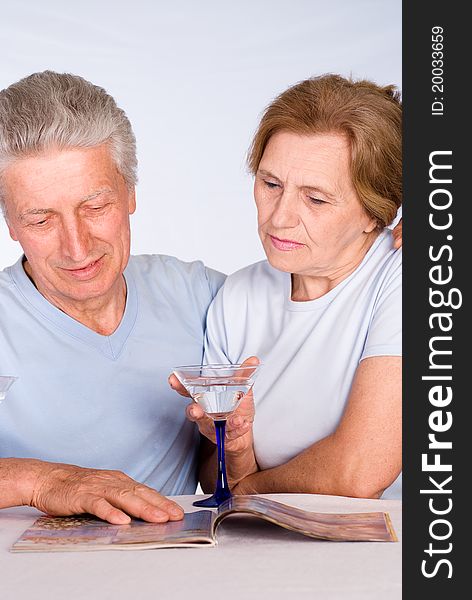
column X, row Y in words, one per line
column 222, row 491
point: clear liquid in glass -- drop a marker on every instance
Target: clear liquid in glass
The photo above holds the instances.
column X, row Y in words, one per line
column 218, row 401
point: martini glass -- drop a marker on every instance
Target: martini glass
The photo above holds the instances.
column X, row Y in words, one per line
column 5, row 383
column 219, row 389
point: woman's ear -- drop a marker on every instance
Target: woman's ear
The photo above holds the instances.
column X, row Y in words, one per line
column 371, row 225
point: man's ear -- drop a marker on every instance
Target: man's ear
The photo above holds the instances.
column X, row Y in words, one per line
column 11, row 231
column 132, row 201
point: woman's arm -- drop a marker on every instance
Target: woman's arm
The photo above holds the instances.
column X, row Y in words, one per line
column 362, row 457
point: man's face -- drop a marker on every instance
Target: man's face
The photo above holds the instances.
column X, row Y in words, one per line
column 69, row 209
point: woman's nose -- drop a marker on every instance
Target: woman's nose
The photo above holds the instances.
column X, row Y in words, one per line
column 285, row 213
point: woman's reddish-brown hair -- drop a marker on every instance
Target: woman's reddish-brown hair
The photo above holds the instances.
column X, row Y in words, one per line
column 370, row 116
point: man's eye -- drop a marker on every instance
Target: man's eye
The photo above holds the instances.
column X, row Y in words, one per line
column 271, row 184
column 96, row 209
column 40, row 223
column 315, row 200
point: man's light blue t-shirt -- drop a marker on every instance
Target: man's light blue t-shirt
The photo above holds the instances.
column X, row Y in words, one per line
column 103, row 401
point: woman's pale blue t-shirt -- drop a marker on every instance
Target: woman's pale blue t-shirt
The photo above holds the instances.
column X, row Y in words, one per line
column 310, row 350
column 104, row 401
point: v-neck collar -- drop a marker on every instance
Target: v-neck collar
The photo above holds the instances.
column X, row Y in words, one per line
column 109, row 345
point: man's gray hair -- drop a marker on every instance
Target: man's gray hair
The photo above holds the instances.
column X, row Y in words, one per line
column 61, row 111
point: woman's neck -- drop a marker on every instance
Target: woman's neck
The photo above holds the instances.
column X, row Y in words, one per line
column 310, row 286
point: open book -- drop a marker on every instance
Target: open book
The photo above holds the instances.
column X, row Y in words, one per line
column 199, row 528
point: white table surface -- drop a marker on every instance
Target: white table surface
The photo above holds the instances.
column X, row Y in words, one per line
column 253, row 560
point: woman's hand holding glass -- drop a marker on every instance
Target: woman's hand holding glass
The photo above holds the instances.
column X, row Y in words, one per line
column 240, row 458
column 238, row 437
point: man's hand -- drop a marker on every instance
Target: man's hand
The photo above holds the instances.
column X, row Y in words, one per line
column 397, row 235
column 60, row 489
column 110, row 495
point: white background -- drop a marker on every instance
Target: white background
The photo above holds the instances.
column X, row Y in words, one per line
column 193, row 78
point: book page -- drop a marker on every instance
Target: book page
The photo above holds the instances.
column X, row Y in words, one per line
column 88, row 533
column 347, row 527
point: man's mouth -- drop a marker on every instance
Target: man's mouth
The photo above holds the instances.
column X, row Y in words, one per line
column 88, row 271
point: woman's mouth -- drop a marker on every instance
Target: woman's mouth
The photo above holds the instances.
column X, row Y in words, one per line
column 284, row 245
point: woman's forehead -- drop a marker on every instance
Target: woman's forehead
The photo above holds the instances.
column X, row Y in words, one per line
column 319, row 161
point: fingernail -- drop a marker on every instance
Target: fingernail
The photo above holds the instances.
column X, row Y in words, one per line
column 176, row 512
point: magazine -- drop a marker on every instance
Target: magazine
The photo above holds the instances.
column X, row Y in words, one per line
column 84, row 532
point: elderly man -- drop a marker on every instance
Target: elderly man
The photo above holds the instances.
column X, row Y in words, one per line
column 90, row 332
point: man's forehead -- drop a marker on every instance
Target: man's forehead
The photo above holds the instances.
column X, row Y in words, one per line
column 59, row 177
column 49, row 166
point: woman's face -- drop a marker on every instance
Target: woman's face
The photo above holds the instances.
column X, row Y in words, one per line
column 310, row 219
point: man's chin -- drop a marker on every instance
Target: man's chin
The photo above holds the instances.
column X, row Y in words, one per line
column 82, row 291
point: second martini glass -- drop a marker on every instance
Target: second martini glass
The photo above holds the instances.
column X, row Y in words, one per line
column 5, row 383
column 218, row 388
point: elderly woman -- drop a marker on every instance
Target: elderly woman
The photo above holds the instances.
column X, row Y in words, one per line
column 323, row 312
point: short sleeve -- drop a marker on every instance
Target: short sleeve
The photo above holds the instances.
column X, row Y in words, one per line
column 384, row 337
column 215, row 280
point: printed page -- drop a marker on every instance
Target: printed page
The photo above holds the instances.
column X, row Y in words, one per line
column 82, row 533
column 347, row 527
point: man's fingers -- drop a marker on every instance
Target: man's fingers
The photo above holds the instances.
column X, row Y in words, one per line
column 175, row 512
column 101, row 508
column 136, row 506
column 123, row 497
column 110, row 495
column 177, row 386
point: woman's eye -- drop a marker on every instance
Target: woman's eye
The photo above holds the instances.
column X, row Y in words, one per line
column 315, row 200
column 271, row 185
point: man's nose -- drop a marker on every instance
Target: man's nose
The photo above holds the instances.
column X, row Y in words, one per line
column 285, row 213
column 76, row 240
